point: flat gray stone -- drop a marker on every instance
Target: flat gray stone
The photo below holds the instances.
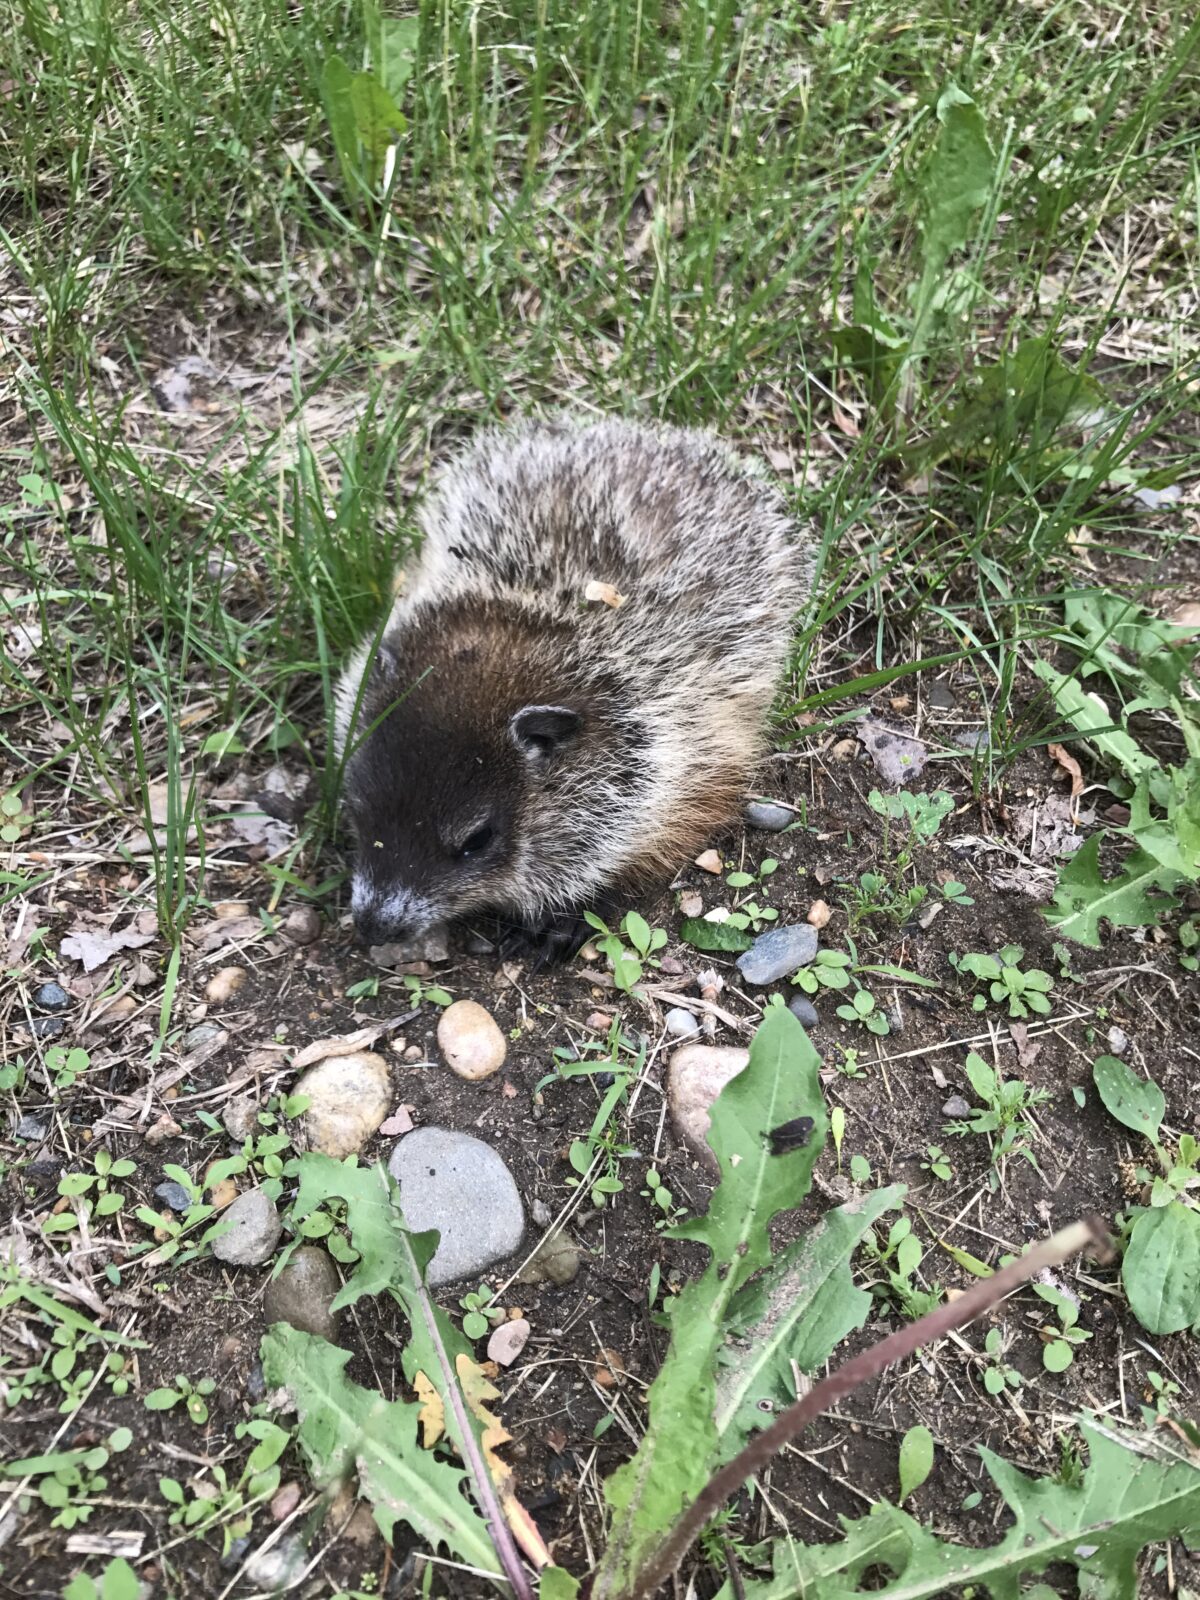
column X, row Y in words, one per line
column 778, row 953
column 461, row 1187
column 680, row 1023
column 303, row 1292
column 254, row 1232
column 770, row 816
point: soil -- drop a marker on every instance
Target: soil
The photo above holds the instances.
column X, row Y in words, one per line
column 205, row 1320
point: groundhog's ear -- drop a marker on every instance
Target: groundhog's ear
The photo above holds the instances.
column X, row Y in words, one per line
column 540, row 732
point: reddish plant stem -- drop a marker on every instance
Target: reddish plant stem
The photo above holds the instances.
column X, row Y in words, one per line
column 980, row 1297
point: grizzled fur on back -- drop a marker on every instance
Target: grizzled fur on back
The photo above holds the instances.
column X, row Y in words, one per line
column 529, row 750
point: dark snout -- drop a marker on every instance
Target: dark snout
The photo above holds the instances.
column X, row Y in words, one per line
column 375, row 927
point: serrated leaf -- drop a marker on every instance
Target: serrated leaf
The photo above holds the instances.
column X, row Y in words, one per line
column 791, row 1317
column 715, row 936
column 679, row 1448
column 1082, row 897
column 1137, row 1103
column 916, row 1459
column 1095, row 723
column 1135, row 1491
column 1160, row 1272
column 957, row 179
column 345, row 1429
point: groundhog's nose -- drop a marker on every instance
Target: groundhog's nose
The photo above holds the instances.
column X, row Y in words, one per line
column 375, row 926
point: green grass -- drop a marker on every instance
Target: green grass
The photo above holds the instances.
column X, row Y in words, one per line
column 650, row 208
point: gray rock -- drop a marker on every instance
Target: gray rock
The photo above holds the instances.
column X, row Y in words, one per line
column 972, row 739
column 461, row 1187
column 51, row 997
column 770, row 816
column 1118, row 1040
column 30, row 1128
column 254, row 1232
column 956, row 1106
column 804, row 1011
column 203, row 1033
column 680, row 1023
column 775, row 954
column 432, row 945
column 278, row 1566
column 940, row 696
column 175, row 1195
column 303, row 1292
column 46, row 1028
column 556, row 1261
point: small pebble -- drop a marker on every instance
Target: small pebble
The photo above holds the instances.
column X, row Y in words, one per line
column 940, row 696
column 508, row 1340
column 672, row 967
column 196, row 1038
column 956, row 1106
column 51, row 997
column 680, row 1023
column 600, row 1021
column 413, row 1052
column 240, row 1117
column 803, row 1010
column 47, row 1027
column 695, row 1077
column 1118, row 1040
column 277, row 1567
column 223, row 985
column 350, row 1096
column 303, row 925
column 432, row 945
column 124, row 1005
column 471, row 1041
column 254, row 1232
column 710, row 861
column 556, row 1261
column 690, row 904
column 540, row 1212
column 769, row 816
column 460, row 1186
column 30, row 1128
column 175, row 1195
column 303, row 1293
column 819, row 914
column 778, row 953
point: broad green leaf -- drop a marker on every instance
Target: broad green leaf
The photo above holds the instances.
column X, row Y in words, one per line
column 791, row 1317
column 680, row 1444
column 377, row 118
column 1057, row 1356
column 1082, row 896
column 1094, row 722
column 336, row 81
column 718, row 936
column 957, row 179
column 1161, row 1269
column 557, row 1584
column 1137, row 1103
column 916, row 1459
column 345, row 1429
column 1136, row 1490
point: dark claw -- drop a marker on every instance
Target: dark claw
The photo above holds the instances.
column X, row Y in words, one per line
column 556, row 938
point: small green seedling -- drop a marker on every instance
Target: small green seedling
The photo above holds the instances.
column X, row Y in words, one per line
column 997, row 1374
column 937, row 1163
column 898, row 1258
column 659, row 1195
column 627, row 961
column 69, row 1480
column 829, row 970
column 924, row 813
column 481, row 1314
column 193, row 1396
column 862, row 1008
column 65, row 1065
column 92, row 1191
column 14, row 819
column 1061, row 1342
column 1005, row 1117
column 745, row 880
column 1022, row 991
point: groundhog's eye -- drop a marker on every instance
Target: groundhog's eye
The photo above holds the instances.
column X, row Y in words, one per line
column 476, row 842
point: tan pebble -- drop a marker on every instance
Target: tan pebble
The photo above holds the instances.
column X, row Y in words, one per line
column 303, row 925
column 116, row 1011
column 844, row 750
column 285, row 1501
column 349, row 1098
column 414, row 1053
column 143, row 975
column 610, row 1367
column 710, row 861
column 600, row 1020
column 223, row 985
column 690, row 904
column 1187, row 615
column 231, row 910
column 470, row 1040
column 695, row 1077
column 819, row 913
column 589, row 952
column 164, row 1128
column 223, row 1194
column 507, row 1341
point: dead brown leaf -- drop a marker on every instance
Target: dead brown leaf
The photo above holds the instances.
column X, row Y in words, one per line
column 1069, row 764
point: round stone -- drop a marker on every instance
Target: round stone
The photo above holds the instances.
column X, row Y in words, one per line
column 51, row 997
column 775, row 954
column 803, row 1010
column 461, row 1187
column 174, row 1194
column 695, row 1077
column 223, row 985
column 471, row 1041
column 680, row 1023
column 303, row 1293
column 769, row 816
column 303, row 925
column 508, row 1340
column 253, row 1229
column 349, row 1097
